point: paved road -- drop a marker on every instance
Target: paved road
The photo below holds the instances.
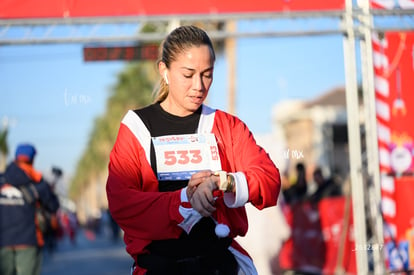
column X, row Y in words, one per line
column 89, row 256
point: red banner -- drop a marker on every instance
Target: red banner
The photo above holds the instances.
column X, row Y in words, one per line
column 394, row 85
column 399, row 228
column 322, row 238
column 394, row 70
column 400, row 74
column 392, row 4
column 91, row 8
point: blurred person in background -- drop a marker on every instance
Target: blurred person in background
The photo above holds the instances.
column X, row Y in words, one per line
column 180, row 172
column 115, row 230
column 326, row 187
column 51, row 225
column 297, row 191
column 23, row 193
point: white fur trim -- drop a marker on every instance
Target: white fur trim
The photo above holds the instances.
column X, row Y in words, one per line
column 191, row 217
column 241, row 196
column 139, row 130
column 206, row 122
column 183, row 195
column 246, row 265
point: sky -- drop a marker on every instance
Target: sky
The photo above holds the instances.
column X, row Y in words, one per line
column 51, row 97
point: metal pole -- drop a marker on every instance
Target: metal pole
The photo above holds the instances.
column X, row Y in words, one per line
column 374, row 194
column 354, row 141
column 230, row 48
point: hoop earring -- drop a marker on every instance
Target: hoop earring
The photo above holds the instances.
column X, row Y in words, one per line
column 166, row 78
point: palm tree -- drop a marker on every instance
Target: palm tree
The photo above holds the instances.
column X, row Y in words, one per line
column 132, row 90
column 4, row 148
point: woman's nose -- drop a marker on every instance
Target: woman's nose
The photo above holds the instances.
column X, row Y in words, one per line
column 197, row 83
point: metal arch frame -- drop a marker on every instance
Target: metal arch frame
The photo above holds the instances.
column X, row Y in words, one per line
column 48, row 24
column 354, row 142
column 41, row 31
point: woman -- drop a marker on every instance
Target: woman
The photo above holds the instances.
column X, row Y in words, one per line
column 180, row 172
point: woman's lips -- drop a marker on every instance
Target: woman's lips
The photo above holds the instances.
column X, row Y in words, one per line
column 196, row 99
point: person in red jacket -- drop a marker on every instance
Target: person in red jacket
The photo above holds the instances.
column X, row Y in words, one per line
column 181, row 172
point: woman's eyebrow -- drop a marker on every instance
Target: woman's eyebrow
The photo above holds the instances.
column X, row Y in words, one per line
column 191, row 69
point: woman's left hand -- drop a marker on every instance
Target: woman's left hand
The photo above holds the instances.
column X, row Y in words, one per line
column 200, row 192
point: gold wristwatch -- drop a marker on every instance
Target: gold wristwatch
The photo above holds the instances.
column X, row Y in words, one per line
column 226, row 181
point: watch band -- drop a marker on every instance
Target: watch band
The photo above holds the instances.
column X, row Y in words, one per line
column 226, row 181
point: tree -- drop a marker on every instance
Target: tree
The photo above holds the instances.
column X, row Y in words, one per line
column 133, row 90
column 4, row 148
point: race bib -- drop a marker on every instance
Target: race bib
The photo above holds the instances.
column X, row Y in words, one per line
column 180, row 156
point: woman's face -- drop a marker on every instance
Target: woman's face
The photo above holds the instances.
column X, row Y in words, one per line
column 189, row 79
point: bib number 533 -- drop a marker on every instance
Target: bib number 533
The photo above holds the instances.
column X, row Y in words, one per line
column 182, row 157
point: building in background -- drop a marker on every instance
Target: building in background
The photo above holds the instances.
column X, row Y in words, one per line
column 315, row 132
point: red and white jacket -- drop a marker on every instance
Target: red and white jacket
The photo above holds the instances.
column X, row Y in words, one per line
column 146, row 214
